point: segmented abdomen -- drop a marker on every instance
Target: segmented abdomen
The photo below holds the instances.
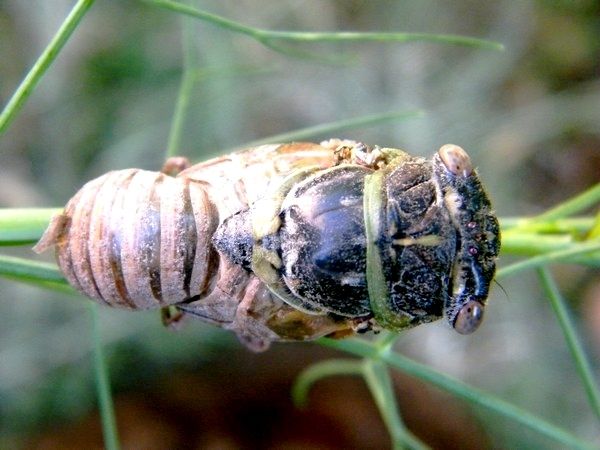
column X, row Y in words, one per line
column 136, row 239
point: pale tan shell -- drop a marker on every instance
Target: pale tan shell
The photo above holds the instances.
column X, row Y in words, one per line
column 140, row 240
column 135, row 239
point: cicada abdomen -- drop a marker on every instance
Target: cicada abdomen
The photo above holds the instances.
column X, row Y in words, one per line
column 136, row 239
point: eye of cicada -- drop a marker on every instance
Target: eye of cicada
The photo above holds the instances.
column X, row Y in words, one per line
column 456, row 160
column 469, row 317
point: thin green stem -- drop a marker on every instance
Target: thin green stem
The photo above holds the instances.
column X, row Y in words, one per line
column 183, row 100
column 378, row 380
column 579, row 203
column 555, row 226
column 529, row 244
column 317, row 371
column 366, row 350
column 34, row 272
column 335, row 127
column 107, row 411
column 594, row 232
column 43, row 63
column 558, row 256
column 332, row 59
column 266, row 36
column 573, row 342
column 20, row 226
column 350, row 36
column 188, row 80
column 203, row 15
column 385, row 341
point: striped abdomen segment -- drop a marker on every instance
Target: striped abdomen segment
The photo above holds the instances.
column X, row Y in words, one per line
column 135, row 239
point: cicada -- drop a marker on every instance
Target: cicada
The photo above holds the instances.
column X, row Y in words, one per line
column 288, row 242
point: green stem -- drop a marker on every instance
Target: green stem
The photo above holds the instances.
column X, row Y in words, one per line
column 34, row 272
column 335, row 59
column 43, row 63
column 351, row 36
column 380, row 384
column 573, row 341
column 385, row 341
column 556, row 226
column 203, row 15
column 183, row 100
column 107, row 411
column 525, row 243
column 579, row 203
column 594, row 232
column 366, row 350
column 317, row 371
column 185, row 91
column 265, row 36
column 334, row 127
column 20, row 226
column 546, row 258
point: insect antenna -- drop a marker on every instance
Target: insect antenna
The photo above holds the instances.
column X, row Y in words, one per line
column 503, row 290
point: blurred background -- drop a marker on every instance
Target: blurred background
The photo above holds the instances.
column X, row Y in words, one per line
column 528, row 116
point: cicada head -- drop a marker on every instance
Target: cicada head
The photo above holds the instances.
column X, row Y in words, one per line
column 477, row 238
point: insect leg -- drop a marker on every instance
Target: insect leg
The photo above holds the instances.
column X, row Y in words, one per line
column 172, row 317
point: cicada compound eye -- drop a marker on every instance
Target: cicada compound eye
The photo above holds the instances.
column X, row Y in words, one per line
column 469, row 317
column 456, row 160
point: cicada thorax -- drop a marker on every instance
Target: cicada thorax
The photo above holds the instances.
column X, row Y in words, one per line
column 323, row 241
column 308, row 241
column 136, row 239
column 305, row 239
